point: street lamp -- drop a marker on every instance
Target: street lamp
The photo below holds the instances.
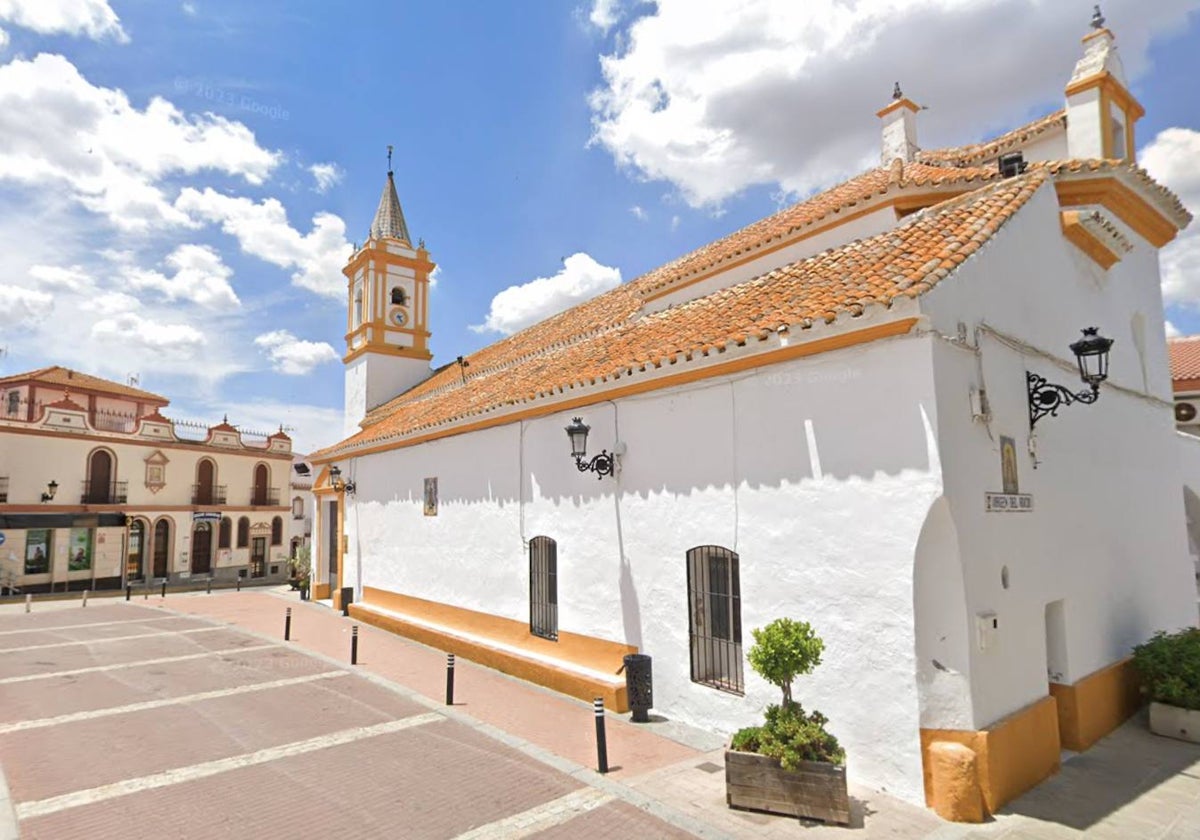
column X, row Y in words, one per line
column 335, row 479
column 1045, row 397
column 51, row 489
column 601, row 464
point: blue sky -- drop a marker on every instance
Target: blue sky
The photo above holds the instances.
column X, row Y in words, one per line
column 181, row 181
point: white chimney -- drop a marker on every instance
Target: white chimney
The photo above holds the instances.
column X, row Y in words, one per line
column 899, row 128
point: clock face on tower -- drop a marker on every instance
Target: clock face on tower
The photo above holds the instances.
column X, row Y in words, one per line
column 399, row 317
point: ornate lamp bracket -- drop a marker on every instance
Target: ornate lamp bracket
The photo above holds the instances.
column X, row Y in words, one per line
column 1047, row 398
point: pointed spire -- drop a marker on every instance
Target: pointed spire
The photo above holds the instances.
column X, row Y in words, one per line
column 389, row 218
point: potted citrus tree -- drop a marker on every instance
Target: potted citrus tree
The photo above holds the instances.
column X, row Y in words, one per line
column 790, row 764
column 1169, row 665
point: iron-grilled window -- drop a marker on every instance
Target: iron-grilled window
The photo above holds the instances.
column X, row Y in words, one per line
column 543, row 588
column 715, row 618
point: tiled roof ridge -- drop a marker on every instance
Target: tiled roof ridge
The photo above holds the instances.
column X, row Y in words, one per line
column 81, row 381
column 870, row 273
column 974, row 153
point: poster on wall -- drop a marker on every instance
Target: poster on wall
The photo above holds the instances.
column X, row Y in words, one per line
column 37, row 552
column 1010, row 499
column 79, row 555
column 431, row 497
column 1008, row 465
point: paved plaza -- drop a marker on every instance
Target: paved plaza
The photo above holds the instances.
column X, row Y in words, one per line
column 190, row 716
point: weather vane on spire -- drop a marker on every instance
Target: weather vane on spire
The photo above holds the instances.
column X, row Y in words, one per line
column 896, row 93
column 1097, row 18
column 389, row 158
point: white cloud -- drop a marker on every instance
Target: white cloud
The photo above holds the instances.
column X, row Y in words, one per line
column 518, row 307
column 605, row 14
column 1172, row 330
column 200, row 277
column 58, row 130
column 435, row 277
column 639, row 213
column 189, row 9
column 311, row 427
column 326, row 175
column 262, row 229
column 292, row 355
column 56, row 277
column 93, row 18
column 23, row 307
column 674, row 223
column 1171, row 158
column 717, row 96
column 3, row 39
column 131, row 331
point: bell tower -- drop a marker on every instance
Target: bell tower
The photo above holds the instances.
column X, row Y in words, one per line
column 387, row 324
column 1101, row 112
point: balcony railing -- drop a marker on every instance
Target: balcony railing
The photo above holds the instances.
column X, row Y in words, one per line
column 104, row 492
column 3, row 489
column 208, row 494
column 264, row 496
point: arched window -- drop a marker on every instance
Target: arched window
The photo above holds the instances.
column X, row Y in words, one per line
column 715, row 618
column 277, row 531
column 298, row 508
column 358, row 306
column 543, row 588
column 399, row 298
column 243, row 538
column 135, row 562
column 100, row 489
column 260, row 492
column 162, row 547
column 225, row 535
column 205, row 491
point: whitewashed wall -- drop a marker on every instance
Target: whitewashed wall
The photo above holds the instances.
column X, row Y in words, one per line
column 825, row 533
column 1107, row 534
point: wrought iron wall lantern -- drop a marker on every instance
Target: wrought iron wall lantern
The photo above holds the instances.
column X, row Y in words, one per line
column 1045, row 397
column 335, row 481
column 51, row 489
column 602, row 464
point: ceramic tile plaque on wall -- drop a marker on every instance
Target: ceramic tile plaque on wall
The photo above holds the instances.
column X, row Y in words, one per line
column 431, row 497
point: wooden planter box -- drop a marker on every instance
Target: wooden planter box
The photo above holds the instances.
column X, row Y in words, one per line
column 816, row 790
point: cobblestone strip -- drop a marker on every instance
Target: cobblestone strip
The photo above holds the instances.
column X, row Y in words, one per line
column 544, row 816
column 23, row 725
column 92, row 669
column 179, row 775
column 92, row 624
column 156, row 635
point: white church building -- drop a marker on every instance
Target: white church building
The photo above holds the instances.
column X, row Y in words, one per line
column 863, row 411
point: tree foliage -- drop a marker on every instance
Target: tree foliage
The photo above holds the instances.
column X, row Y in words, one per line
column 783, row 650
column 1170, row 667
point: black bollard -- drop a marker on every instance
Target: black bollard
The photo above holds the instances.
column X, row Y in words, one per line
column 354, row 645
column 287, row 625
column 210, row 585
column 449, row 679
column 128, row 591
column 239, row 583
column 601, row 741
column 164, row 588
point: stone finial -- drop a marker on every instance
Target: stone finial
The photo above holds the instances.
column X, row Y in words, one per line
column 897, row 93
column 1097, row 18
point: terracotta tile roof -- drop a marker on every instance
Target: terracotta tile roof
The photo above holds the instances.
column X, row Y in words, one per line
column 1184, row 355
column 624, row 303
column 65, row 377
column 902, row 263
column 976, row 153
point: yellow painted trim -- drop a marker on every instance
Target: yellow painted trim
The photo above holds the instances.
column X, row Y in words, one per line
column 1014, row 754
column 896, row 104
column 782, row 354
column 1113, row 89
column 1128, row 206
column 320, row 591
column 1094, row 706
column 387, row 350
column 1106, row 145
column 586, row 651
column 1082, row 238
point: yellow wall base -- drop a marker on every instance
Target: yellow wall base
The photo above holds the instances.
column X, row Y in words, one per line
column 1097, row 704
column 570, row 649
column 320, row 591
column 1013, row 755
